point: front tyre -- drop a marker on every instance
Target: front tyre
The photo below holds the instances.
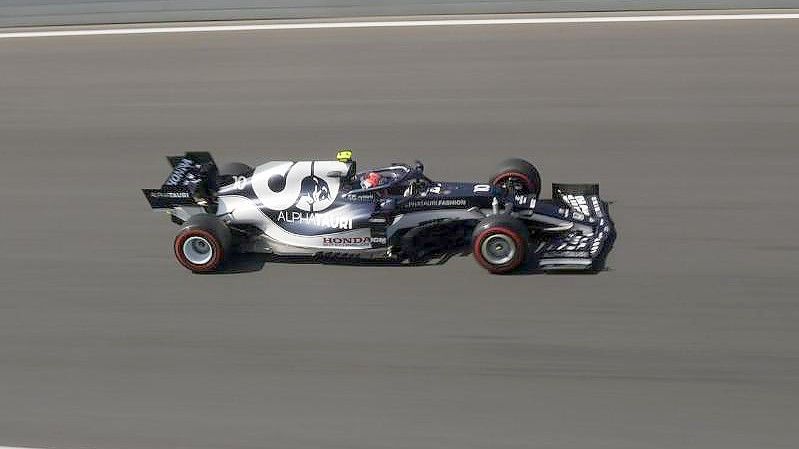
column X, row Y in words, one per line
column 202, row 244
column 500, row 243
column 517, row 176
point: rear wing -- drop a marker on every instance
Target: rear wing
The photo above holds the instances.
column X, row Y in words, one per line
column 190, row 181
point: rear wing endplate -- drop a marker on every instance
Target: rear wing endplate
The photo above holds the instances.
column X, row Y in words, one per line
column 190, row 173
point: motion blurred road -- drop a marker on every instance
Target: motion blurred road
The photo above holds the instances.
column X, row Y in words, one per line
column 689, row 340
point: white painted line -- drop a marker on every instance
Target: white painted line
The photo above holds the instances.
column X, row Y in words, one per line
column 12, row 447
column 399, row 23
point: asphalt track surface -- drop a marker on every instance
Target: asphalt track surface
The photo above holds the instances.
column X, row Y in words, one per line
column 689, row 340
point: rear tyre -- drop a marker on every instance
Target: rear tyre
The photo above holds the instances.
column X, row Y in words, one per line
column 203, row 243
column 500, row 243
column 517, row 176
column 234, row 169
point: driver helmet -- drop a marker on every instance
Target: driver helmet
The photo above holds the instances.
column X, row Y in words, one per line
column 372, row 179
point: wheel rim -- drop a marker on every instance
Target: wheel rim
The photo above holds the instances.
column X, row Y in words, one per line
column 515, row 183
column 498, row 249
column 197, row 250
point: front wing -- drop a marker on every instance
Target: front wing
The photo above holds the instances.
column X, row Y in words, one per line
column 587, row 244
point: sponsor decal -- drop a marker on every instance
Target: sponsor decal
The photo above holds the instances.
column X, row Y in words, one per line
column 316, row 219
column 170, row 194
column 437, row 202
column 597, row 208
column 179, row 172
column 305, row 185
column 368, row 197
column 313, row 189
column 435, row 190
column 577, row 202
column 522, row 200
column 348, row 241
column 597, row 242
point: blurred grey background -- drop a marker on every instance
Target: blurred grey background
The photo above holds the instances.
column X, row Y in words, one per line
column 66, row 12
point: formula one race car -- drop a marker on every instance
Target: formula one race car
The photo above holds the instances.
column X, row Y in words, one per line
column 329, row 210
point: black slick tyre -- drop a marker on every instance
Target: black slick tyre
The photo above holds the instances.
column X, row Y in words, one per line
column 517, row 176
column 234, row 169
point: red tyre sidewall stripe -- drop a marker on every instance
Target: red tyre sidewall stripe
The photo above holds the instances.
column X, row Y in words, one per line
column 513, row 263
column 514, row 174
column 217, row 248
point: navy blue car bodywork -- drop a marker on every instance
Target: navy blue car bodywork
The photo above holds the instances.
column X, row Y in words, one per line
column 321, row 208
